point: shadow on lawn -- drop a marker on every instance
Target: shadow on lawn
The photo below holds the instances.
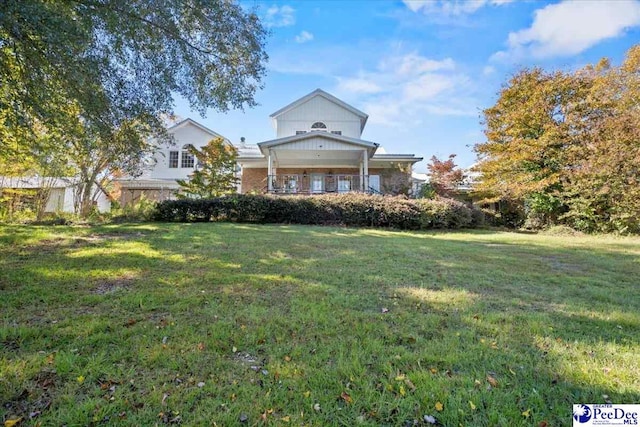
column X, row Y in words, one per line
column 544, row 307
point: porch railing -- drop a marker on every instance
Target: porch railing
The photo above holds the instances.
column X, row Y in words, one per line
column 317, row 183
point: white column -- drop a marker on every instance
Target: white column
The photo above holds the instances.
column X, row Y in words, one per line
column 365, row 161
column 269, row 173
column 362, row 176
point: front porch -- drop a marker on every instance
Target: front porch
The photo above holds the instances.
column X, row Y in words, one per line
column 318, row 183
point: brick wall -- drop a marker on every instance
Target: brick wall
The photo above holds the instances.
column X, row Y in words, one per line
column 392, row 181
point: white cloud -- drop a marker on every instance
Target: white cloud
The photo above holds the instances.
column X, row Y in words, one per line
column 304, row 37
column 488, row 70
column 357, row 85
column 404, row 87
column 451, row 7
column 415, row 64
column 427, row 86
column 283, row 16
column 571, row 27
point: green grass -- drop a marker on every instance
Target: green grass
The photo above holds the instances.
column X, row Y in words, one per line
column 208, row 324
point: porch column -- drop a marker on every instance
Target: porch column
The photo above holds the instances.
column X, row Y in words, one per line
column 365, row 171
column 269, row 173
column 361, row 176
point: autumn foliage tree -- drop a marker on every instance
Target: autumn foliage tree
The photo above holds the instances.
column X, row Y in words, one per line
column 567, row 146
column 444, row 176
column 215, row 173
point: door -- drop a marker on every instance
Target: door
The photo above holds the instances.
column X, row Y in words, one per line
column 317, row 183
column 374, row 183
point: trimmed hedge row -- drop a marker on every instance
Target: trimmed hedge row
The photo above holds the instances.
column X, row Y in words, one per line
column 353, row 209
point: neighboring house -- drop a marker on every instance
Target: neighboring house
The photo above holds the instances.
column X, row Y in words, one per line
column 318, row 149
column 60, row 192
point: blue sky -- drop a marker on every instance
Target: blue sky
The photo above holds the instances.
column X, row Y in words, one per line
column 422, row 70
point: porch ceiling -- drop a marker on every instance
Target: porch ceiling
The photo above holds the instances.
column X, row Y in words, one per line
column 285, row 158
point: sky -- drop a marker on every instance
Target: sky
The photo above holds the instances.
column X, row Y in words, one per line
column 423, row 70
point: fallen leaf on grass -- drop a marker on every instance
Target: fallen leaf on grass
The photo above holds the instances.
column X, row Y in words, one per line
column 287, row 358
column 385, row 310
column 316, row 407
column 433, row 371
column 439, row 406
column 472, row 406
column 11, row 423
column 286, row 419
column 80, row 379
column 409, row 384
column 201, row 346
column 306, row 393
column 345, row 396
column 526, row 413
column 543, row 424
column 492, row 381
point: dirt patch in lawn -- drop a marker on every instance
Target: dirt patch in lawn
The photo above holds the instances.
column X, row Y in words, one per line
column 112, row 285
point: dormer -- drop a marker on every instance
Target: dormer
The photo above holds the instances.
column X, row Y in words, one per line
column 319, row 111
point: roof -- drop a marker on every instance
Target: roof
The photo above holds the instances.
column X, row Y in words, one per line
column 371, row 146
column 329, row 97
column 199, row 126
column 397, row 157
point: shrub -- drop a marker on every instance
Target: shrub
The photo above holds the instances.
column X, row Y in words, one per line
column 353, row 209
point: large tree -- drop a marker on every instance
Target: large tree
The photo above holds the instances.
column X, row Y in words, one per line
column 566, row 145
column 118, row 63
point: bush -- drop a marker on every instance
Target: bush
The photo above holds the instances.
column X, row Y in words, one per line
column 353, row 209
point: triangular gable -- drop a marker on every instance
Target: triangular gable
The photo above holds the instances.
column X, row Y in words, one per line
column 203, row 128
column 319, row 92
column 356, row 143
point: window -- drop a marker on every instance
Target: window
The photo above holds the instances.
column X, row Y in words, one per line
column 173, row 159
column 344, row 184
column 300, row 132
column 291, row 183
column 336, row 132
column 319, row 126
column 188, row 161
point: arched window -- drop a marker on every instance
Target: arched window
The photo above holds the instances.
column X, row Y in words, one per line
column 319, row 126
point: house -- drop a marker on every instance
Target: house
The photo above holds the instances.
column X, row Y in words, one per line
column 318, row 149
column 171, row 162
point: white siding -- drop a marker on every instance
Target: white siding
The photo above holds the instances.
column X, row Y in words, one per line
column 318, row 109
column 187, row 134
column 317, row 143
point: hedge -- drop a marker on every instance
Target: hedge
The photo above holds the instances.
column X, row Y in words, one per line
column 353, row 209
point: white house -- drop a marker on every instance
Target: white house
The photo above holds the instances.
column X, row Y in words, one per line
column 318, row 148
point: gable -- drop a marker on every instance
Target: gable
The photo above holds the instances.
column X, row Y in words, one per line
column 321, row 106
column 191, row 132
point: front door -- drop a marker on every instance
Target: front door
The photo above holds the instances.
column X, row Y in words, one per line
column 317, row 183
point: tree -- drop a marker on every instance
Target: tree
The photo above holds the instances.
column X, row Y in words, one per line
column 444, row 176
column 117, row 66
column 215, row 173
column 566, row 146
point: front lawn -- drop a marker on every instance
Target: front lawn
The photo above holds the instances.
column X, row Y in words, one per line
column 228, row 324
